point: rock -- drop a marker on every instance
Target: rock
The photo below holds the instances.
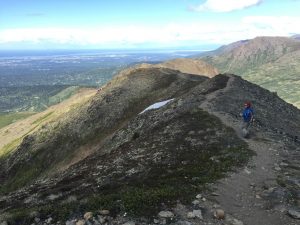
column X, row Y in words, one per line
column 216, row 206
column 3, row 223
column 195, row 214
column 104, row 212
column 70, row 222
column 204, row 199
column 163, row 221
column 190, row 215
column 283, row 164
column 191, row 132
column 101, row 219
column 88, row 215
column 252, row 185
column 198, row 213
column 215, row 194
column 219, row 214
column 257, row 196
column 196, row 202
column 199, row 196
column 294, row 213
column 129, row 223
column 49, row 220
column 165, row 214
column 37, row 220
column 156, row 221
column 80, row 222
column 247, row 171
column 277, row 168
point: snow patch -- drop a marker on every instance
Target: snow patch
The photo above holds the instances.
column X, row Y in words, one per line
column 157, row 105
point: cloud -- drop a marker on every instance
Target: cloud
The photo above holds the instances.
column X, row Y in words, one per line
column 168, row 35
column 225, row 5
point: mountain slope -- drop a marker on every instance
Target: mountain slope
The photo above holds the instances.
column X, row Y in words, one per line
column 12, row 135
column 142, row 163
column 109, row 110
column 186, row 65
column 272, row 62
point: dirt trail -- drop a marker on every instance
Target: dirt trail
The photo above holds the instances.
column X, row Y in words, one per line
column 240, row 192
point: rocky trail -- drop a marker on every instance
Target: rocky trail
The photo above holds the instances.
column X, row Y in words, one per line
column 241, row 193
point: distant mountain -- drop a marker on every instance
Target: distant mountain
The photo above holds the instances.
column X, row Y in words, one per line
column 272, row 62
column 296, row 36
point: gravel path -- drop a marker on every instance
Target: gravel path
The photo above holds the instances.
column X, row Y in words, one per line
column 240, row 193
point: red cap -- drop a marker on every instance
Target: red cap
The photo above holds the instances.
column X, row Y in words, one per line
column 248, row 104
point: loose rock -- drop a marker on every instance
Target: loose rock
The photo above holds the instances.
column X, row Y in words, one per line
column 165, row 214
column 196, row 202
column 80, row 222
column 219, row 214
column 294, row 213
column 190, row 215
column 198, row 213
column 104, row 212
column 199, row 196
column 88, row 215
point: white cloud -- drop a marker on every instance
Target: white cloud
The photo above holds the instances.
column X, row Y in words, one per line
column 168, row 35
column 225, row 5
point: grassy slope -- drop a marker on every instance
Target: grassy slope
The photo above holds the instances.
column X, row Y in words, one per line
column 12, row 135
column 269, row 62
column 8, row 118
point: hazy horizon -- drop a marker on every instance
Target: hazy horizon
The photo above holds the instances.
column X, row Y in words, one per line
column 136, row 24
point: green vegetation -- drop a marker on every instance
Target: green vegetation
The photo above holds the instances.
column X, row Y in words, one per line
column 33, row 98
column 9, row 147
column 8, row 118
column 43, row 118
column 64, row 94
column 273, row 63
column 145, row 198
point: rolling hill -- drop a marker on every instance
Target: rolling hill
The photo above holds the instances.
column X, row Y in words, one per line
column 272, row 62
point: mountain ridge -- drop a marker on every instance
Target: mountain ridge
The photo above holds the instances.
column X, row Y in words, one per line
column 272, row 62
column 144, row 163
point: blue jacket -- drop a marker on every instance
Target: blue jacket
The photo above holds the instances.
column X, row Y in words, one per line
column 247, row 114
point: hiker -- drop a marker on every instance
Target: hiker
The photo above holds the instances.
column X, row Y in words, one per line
column 247, row 118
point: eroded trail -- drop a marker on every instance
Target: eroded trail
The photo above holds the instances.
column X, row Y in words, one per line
column 241, row 193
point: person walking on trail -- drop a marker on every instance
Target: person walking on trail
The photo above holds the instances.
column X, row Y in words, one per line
column 248, row 115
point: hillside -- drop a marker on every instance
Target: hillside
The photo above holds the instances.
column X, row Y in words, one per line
column 12, row 135
column 184, row 65
column 106, row 154
column 33, row 98
column 272, row 62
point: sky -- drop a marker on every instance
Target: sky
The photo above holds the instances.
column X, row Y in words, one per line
column 134, row 24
